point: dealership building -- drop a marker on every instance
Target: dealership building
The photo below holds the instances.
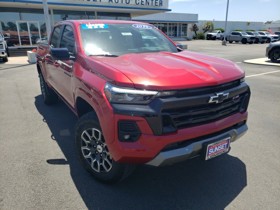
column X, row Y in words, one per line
column 23, row 22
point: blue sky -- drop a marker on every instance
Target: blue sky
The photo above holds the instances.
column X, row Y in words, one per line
column 239, row 10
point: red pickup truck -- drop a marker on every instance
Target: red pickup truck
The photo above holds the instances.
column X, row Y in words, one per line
column 140, row 99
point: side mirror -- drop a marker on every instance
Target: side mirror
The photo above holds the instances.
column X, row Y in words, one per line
column 179, row 47
column 60, row 53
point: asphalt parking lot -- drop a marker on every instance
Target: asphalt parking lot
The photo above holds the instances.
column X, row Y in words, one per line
column 39, row 169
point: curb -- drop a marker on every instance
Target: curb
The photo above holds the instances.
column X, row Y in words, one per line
column 261, row 61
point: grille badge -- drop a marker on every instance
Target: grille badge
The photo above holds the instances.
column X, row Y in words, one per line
column 218, row 98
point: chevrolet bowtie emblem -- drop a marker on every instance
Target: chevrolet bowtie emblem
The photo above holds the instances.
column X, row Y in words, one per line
column 218, row 98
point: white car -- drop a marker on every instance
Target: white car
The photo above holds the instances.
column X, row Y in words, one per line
column 270, row 37
column 217, row 34
column 3, row 48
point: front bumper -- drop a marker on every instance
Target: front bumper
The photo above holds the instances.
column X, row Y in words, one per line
column 194, row 149
column 187, row 118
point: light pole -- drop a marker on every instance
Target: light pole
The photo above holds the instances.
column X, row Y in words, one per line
column 224, row 40
column 47, row 17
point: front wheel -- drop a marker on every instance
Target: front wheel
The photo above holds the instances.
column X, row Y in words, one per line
column 49, row 96
column 244, row 41
column 275, row 55
column 94, row 153
column 5, row 59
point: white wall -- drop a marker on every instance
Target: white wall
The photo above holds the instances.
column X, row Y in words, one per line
column 234, row 25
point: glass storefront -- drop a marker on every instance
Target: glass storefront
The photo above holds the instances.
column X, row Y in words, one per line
column 24, row 27
column 173, row 29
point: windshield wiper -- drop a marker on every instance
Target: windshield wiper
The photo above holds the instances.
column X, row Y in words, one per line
column 105, row 55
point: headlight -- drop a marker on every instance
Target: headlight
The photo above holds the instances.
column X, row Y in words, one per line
column 122, row 95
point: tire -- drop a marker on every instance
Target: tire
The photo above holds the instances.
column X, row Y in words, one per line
column 268, row 40
column 49, row 96
column 244, row 41
column 274, row 55
column 94, row 153
column 5, row 59
column 257, row 41
column 214, row 38
column 230, row 41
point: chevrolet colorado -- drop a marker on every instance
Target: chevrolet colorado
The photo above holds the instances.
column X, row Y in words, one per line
column 139, row 98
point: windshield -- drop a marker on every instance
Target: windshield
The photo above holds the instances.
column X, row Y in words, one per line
column 250, row 33
column 244, row 33
column 119, row 39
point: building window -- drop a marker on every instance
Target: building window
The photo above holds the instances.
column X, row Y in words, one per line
column 72, row 15
column 184, row 30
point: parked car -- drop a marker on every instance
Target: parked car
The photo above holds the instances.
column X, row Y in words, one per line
column 273, row 51
column 258, row 37
column 3, row 48
column 277, row 33
column 217, row 34
column 270, row 37
column 140, row 99
column 242, row 37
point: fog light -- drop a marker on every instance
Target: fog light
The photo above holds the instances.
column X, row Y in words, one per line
column 128, row 131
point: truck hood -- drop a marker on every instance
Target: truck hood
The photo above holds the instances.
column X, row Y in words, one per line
column 169, row 71
column 212, row 33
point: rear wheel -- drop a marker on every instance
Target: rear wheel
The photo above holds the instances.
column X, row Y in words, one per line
column 275, row 55
column 48, row 94
column 244, row 41
column 94, row 153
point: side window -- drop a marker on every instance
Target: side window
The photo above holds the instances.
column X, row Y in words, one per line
column 55, row 37
column 68, row 39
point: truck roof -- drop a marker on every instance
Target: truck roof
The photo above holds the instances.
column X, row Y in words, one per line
column 100, row 21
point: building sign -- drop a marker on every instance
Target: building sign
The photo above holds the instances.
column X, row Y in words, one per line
column 160, row 4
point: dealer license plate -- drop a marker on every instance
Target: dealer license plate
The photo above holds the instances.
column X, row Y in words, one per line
column 217, row 148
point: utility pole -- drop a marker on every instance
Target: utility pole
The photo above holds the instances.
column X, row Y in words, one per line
column 225, row 33
column 47, row 17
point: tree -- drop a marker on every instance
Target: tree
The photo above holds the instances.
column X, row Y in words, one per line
column 195, row 29
column 208, row 26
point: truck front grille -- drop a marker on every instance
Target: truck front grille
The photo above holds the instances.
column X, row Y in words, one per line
column 193, row 107
column 201, row 114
